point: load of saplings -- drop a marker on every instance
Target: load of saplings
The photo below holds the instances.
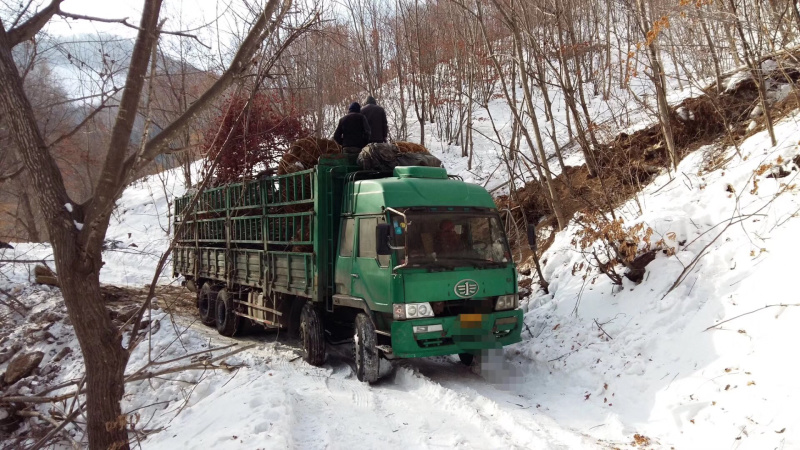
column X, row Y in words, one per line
column 305, row 153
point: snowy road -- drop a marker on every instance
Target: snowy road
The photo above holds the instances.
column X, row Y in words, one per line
column 279, row 401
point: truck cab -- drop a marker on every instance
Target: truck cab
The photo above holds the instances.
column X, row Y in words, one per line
column 426, row 256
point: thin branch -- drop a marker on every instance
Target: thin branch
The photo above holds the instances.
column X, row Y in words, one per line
column 751, row 312
column 79, row 126
column 125, row 22
column 14, row 299
column 601, row 329
column 26, row 261
column 138, row 376
column 58, row 428
column 204, row 365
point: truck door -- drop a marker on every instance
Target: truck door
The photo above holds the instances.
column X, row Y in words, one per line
column 344, row 257
column 370, row 273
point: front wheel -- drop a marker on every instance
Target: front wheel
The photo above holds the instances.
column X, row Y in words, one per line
column 364, row 352
column 228, row 322
column 206, row 303
column 312, row 335
column 466, row 358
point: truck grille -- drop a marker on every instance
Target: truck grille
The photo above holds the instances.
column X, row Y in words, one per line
column 435, row 342
column 451, row 308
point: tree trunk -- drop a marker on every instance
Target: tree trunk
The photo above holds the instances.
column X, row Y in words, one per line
column 104, row 356
column 755, row 71
column 712, row 48
column 569, row 90
column 796, row 12
column 660, row 82
column 726, row 26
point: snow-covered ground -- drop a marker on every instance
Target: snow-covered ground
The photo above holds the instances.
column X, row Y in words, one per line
column 268, row 397
column 645, row 359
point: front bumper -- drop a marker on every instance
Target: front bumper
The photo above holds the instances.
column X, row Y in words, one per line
column 460, row 334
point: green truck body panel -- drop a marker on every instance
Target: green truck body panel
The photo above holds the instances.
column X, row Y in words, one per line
column 281, row 235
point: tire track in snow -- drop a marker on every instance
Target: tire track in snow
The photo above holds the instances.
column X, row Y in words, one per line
column 428, row 403
column 498, row 412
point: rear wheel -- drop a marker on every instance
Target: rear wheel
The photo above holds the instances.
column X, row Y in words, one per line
column 312, row 335
column 291, row 308
column 206, row 303
column 228, row 323
column 466, row 358
column 364, row 352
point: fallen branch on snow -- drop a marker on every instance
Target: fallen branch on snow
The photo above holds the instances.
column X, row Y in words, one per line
column 751, row 312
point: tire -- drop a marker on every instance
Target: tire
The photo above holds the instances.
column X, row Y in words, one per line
column 466, row 358
column 364, row 352
column 228, row 323
column 206, row 303
column 292, row 308
column 312, row 335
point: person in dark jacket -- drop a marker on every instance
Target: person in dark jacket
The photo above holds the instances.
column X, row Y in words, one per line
column 376, row 117
column 353, row 131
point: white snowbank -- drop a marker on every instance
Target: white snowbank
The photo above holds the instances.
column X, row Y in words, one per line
column 653, row 368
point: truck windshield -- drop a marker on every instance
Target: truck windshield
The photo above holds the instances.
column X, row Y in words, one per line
column 450, row 239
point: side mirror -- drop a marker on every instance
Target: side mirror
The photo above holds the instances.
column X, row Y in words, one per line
column 532, row 237
column 382, row 234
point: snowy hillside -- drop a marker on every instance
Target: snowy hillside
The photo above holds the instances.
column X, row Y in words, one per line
column 649, row 360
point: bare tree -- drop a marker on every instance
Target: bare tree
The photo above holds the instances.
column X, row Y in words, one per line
column 77, row 230
column 650, row 30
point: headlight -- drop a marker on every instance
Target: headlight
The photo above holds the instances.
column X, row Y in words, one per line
column 505, row 302
column 412, row 311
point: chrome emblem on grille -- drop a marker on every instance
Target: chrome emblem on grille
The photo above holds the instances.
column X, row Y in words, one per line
column 466, row 288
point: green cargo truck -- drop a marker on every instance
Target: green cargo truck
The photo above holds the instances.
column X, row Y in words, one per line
column 405, row 264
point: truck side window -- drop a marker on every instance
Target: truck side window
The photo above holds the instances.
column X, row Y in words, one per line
column 366, row 237
column 346, row 241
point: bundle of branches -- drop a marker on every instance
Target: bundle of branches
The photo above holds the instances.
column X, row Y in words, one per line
column 410, row 147
column 304, row 154
column 248, row 145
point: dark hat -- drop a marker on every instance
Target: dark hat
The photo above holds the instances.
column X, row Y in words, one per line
column 354, row 107
column 371, row 100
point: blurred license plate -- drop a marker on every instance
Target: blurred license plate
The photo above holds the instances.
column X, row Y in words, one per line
column 471, row 320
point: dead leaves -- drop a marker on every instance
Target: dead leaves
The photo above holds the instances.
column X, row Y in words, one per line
column 640, row 440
